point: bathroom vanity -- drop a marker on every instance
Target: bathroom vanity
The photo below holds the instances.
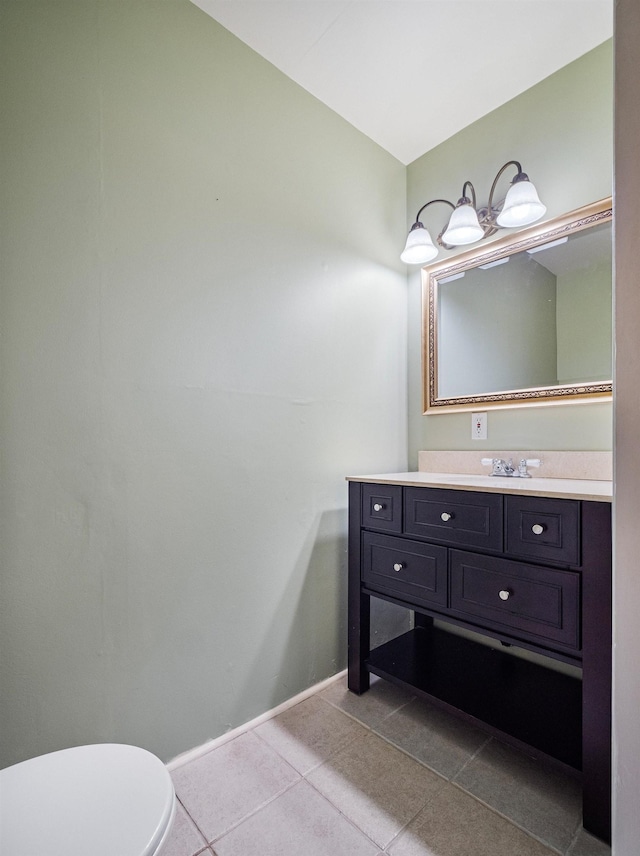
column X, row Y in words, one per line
column 523, row 563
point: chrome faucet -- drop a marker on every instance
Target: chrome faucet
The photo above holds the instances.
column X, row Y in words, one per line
column 500, row 467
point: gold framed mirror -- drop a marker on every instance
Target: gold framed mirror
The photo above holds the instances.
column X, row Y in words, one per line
column 523, row 321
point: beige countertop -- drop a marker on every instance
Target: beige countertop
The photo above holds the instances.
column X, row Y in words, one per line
column 559, row 488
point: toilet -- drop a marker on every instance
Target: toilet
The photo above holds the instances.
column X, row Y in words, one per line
column 106, row 799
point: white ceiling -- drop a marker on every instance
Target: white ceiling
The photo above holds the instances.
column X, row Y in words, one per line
column 410, row 73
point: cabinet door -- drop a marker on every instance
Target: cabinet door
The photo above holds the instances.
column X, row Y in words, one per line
column 409, row 570
column 456, row 517
column 538, row 604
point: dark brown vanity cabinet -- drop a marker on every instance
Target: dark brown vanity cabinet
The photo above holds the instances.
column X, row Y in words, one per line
column 532, row 573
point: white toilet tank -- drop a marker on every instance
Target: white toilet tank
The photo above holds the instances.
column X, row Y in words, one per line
column 105, row 800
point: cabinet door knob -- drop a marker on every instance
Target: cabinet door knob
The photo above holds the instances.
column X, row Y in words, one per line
column 446, row 515
column 504, row 594
column 378, row 507
column 398, row 566
column 537, row 528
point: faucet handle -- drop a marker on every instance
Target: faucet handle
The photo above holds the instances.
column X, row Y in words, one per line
column 527, row 462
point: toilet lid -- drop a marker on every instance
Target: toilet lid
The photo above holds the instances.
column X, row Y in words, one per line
column 106, row 800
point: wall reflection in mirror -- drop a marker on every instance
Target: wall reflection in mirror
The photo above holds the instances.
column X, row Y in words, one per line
column 526, row 321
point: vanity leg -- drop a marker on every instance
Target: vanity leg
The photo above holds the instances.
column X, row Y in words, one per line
column 424, row 621
column 596, row 672
column 359, row 605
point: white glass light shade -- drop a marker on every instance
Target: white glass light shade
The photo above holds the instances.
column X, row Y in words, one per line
column 463, row 227
column 419, row 248
column 521, row 206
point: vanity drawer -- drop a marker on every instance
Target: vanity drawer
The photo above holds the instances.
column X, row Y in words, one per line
column 409, row 569
column 454, row 517
column 538, row 603
column 542, row 528
column 382, row 507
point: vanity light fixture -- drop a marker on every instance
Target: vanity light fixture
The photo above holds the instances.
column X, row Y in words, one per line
column 468, row 223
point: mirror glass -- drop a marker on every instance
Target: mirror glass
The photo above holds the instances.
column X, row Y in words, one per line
column 525, row 320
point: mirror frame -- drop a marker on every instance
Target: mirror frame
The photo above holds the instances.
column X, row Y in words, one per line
column 542, row 233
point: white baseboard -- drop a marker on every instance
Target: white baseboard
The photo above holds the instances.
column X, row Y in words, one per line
column 210, row 745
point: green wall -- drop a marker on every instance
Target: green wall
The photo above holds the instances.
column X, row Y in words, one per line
column 561, row 131
column 199, row 340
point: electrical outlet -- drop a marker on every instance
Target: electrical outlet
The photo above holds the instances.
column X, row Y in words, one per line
column 478, row 426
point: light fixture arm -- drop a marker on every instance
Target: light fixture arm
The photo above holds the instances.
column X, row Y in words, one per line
column 427, row 204
column 520, row 176
column 464, row 194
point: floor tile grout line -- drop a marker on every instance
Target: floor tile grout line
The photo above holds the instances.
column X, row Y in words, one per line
column 253, row 812
column 445, row 780
column 188, row 813
column 373, row 733
column 373, row 730
column 413, row 757
column 369, row 728
column 300, row 777
column 346, row 712
column 320, row 763
column 510, row 820
column 472, row 757
column 247, row 817
column 279, row 754
column 340, row 748
column 395, row 838
column 353, row 715
column 459, row 786
column 370, row 733
column 454, row 776
column 443, row 783
column 453, row 780
column 347, row 818
column 399, row 708
column 574, row 839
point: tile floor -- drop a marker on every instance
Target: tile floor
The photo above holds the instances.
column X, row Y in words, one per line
column 383, row 773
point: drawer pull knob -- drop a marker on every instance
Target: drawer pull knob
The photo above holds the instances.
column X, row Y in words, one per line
column 398, row 566
column 537, row 529
column 378, row 507
column 446, row 516
column 505, row 594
